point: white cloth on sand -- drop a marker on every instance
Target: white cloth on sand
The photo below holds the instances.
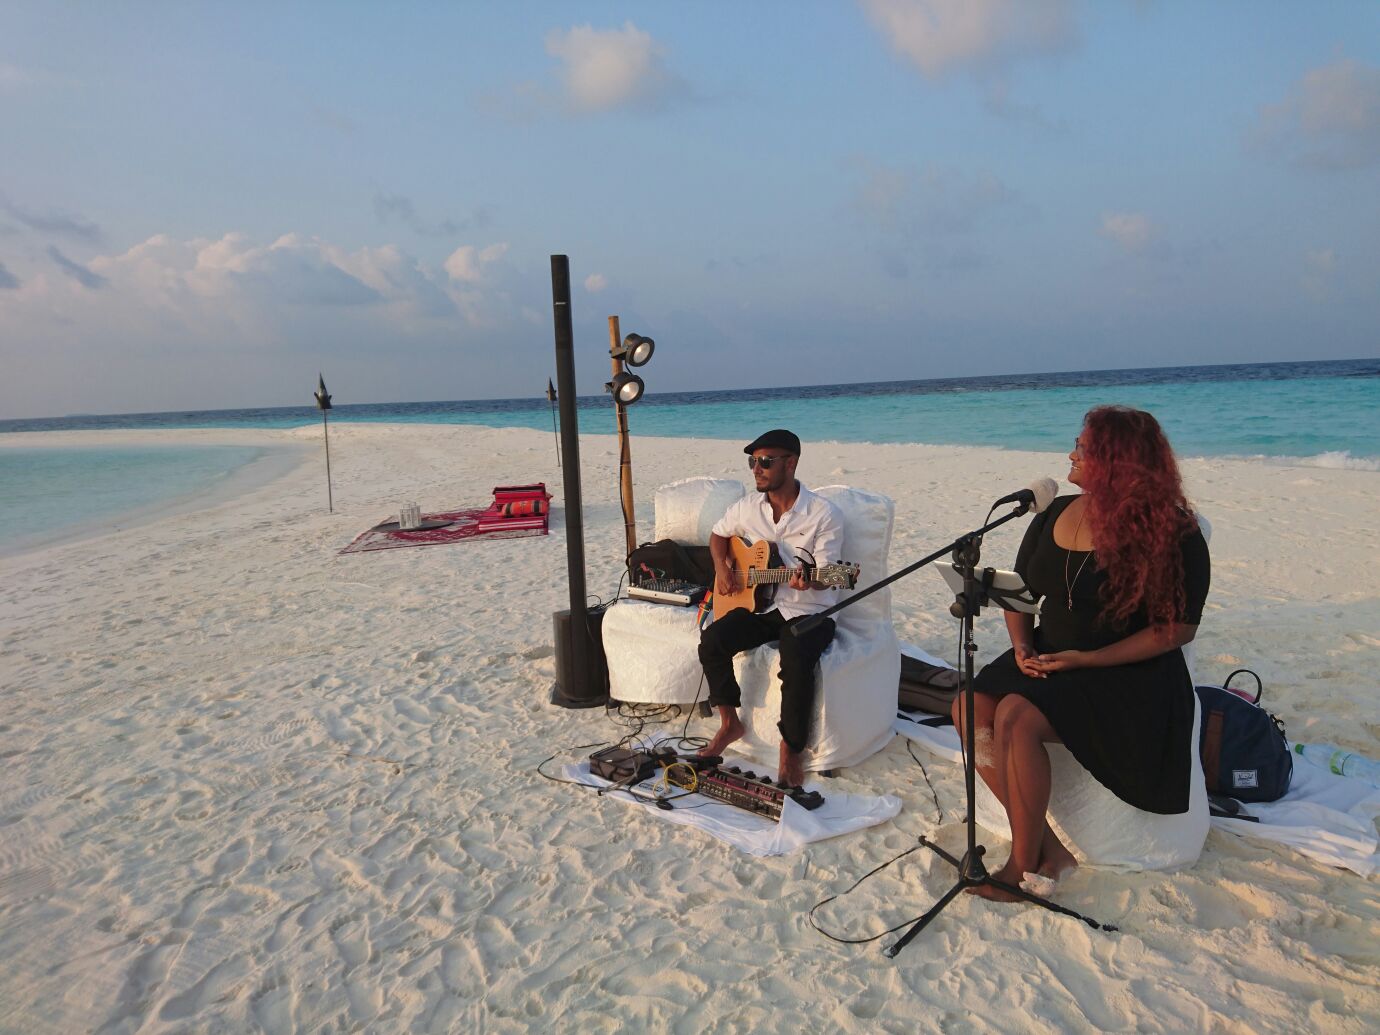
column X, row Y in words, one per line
column 754, row 834
column 1327, row 817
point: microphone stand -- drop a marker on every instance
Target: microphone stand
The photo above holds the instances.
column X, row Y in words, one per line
column 966, row 551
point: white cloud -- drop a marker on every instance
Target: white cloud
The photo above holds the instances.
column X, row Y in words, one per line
column 1329, row 120
column 604, row 69
column 1133, row 231
column 169, row 308
column 596, row 282
column 467, row 263
column 940, row 36
column 205, row 289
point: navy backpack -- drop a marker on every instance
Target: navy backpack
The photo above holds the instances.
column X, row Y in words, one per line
column 1243, row 747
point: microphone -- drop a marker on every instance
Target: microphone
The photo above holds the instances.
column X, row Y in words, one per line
column 1036, row 496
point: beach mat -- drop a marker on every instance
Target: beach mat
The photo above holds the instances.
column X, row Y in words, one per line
column 461, row 526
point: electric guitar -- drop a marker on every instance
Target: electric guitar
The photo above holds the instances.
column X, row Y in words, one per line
column 753, row 566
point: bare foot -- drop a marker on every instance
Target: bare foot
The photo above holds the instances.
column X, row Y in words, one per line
column 791, row 768
column 1056, row 861
column 730, row 729
column 1007, row 875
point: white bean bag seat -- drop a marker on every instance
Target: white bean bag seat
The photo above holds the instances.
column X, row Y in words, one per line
column 687, row 510
column 652, row 652
column 1101, row 829
column 653, row 649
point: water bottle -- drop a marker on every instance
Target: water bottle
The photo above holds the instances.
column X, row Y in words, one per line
column 1343, row 763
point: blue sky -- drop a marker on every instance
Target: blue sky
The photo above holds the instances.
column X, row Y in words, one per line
column 202, row 205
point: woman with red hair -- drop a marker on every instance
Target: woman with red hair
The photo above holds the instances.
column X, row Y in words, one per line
column 1123, row 569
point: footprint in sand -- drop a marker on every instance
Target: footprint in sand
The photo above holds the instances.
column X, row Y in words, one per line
column 274, row 1003
column 350, row 934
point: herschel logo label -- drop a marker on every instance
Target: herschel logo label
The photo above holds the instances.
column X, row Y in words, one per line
column 1242, row 778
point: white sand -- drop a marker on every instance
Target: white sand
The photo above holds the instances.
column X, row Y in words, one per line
column 250, row 784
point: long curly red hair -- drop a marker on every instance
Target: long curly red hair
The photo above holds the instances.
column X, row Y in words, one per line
column 1137, row 513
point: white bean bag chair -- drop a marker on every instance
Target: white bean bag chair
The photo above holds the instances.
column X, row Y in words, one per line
column 1101, row 829
column 687, row 510
column 652, row 652
column 858, row 673
column 652, row 649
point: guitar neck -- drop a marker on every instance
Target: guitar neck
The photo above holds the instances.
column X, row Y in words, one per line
column 760, row 576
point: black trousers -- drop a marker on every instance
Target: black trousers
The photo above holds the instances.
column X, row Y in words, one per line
column 742, row 630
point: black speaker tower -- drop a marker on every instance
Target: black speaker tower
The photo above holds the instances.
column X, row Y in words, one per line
column 578, row 682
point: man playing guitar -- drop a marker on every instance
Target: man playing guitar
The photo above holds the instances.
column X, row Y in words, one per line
column 807, row 530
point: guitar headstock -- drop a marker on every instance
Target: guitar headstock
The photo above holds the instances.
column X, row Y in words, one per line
column 837, row 576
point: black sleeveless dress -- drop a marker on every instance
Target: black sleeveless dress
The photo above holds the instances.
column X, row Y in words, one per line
column 1128, row 725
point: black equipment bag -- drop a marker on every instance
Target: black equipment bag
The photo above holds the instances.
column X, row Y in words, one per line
column 668, row 559
column 926, row 688
column 1243, row 747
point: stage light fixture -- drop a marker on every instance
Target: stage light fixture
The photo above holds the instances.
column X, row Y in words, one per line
column 634, row 350
column 626, row 388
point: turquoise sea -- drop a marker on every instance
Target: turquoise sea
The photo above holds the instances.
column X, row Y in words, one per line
column 45, row 492
column 1324, row 414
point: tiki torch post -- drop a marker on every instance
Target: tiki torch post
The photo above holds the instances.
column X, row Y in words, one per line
column 551, row 398
column 323, row 403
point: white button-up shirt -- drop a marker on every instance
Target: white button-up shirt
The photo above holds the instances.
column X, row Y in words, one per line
column 812, row 524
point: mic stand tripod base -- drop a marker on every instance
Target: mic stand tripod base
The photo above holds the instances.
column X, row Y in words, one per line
column 972, row 874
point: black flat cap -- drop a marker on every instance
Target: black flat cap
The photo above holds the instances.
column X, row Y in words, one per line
column 777, row 438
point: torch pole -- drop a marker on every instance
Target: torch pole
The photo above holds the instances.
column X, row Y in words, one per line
column 325, row 430
column 624, row 449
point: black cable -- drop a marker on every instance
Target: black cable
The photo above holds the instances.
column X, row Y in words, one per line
column 558, row 779
column 635, row 718
column 873, row 938
column 938, row 812
column 685, row 739
column 939, row 816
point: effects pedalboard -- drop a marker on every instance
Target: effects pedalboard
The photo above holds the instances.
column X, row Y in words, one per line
column 667, row 591
column 732, row 786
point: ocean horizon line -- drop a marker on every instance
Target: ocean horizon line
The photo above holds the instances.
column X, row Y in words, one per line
column 1106, row 377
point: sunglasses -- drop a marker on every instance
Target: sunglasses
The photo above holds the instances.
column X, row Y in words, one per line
column 763, row 462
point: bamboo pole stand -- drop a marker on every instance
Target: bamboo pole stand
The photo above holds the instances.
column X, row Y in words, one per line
column 624, row 449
